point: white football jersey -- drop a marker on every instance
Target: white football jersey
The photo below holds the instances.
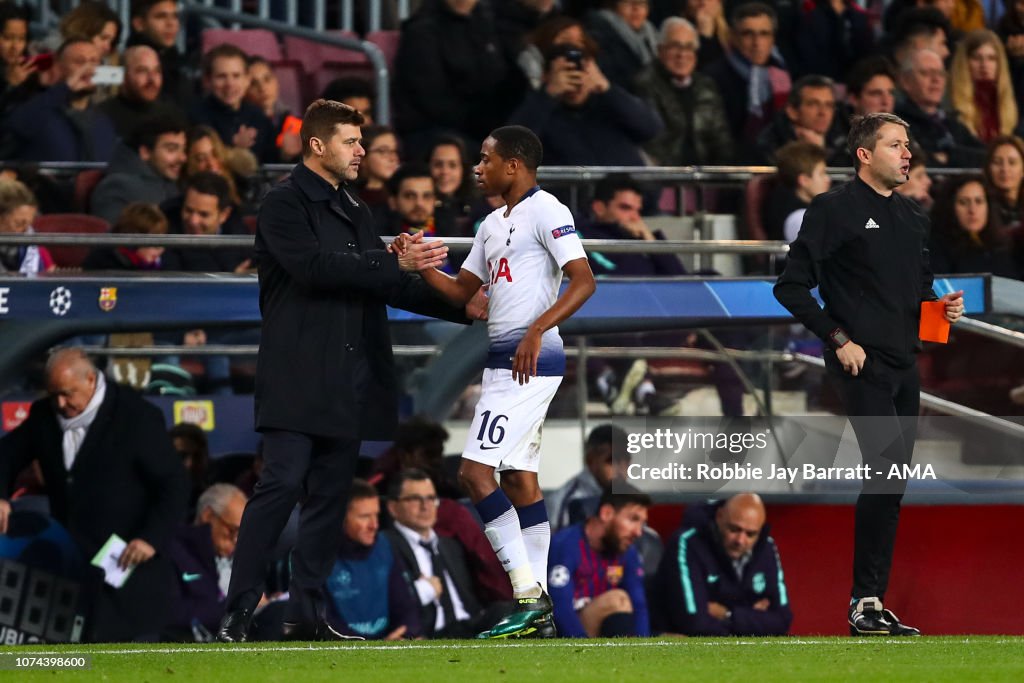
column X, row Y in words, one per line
column 520, row 261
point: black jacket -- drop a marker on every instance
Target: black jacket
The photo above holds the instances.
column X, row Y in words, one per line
column 872, row 279
column 325, row 365
column 942, row 133
column 126, row 479
column 454, row 557
column 636, row 265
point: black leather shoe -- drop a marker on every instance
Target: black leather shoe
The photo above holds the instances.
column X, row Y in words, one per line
column 867, row 618
column 897, row 628
column 234, row 627
column 309, row 631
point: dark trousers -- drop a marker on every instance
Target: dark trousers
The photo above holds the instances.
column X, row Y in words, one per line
column 317, row 471
column 883, row 405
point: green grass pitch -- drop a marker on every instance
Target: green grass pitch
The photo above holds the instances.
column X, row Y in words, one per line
column 960, row 659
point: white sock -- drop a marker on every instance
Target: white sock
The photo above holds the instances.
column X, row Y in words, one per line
column 537, row 539
column 501, row 526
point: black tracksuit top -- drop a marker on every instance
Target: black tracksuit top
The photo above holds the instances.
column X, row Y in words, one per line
column 868, row 256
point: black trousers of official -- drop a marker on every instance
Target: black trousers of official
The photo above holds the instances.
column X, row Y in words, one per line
column 297, row 468
column 882, row 403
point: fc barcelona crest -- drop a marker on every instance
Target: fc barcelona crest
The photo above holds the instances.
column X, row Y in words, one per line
column 108, row 299
column 614, row 574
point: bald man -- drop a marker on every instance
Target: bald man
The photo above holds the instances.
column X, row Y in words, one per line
column 721, row 574
column 109, row 468
column 140, row 94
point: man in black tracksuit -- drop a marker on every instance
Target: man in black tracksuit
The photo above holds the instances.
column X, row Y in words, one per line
column 865, row 248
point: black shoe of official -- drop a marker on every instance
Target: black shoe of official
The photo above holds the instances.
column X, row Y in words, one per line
column 867, row 618
column 898, row 628
column 308, row 631
column 234, row 627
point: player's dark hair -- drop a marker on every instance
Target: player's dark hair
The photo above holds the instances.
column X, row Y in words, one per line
column 864, row 132
column 398, row 481
column 620, row 494
column 322, row 119
column 518, row 142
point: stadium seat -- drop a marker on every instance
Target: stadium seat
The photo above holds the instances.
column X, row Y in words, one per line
column 323, row 63
column 85, row 183
column 254, row 41
column 387, row 41
column 290, row 78
column 67, row 256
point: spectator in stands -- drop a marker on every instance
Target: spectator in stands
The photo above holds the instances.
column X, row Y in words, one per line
column 871, row 87
column 413, row 206
column 629, row 42
column 708, row 17
column 751, row 76
column 60, row 123
column 19, row 75
column 357, row 93
column 156, row 23
column 1011, row 31
column 146, row 169
column 127, row 481
column 721, row 574
column 696, row 130
column 1004, row 176
column 205, row 210
column 583, row 119
column 919, row 183
column 454, row 182
column 545, row 40
column 136, row 218
column 980, row 89
column 18, row 209
column 139, row 96
column 224, row 108
column 369, row 595
column 605, row 459
column 449, row 606
column 191, row 444
column 207, row 153
column 97, row 22
column 201, row 555
column 451, row 75
column 945, row 139
column 264, row 91
column 419, row 444
column 801, row 178
column 809, row 116
column 596, row 578
column 517, row 20
column 831, row 36
column 966, row 236
column 382, row 159
column 920, row 28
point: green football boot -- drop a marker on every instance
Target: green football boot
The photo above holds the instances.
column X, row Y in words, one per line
column 532, row 618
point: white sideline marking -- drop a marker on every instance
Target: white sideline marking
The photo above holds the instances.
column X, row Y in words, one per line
column 218, row 648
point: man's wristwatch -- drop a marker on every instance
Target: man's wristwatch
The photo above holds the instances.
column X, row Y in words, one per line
column 839, row 337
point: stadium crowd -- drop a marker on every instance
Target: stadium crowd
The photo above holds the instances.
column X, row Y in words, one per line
column 619, row 83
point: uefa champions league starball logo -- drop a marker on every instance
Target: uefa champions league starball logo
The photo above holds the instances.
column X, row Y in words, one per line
column 60, row 301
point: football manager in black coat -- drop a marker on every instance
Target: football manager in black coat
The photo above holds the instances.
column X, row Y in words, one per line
column 325, row 378
column 865, row 248
column 109, row 468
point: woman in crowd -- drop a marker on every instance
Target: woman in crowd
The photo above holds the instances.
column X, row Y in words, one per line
column 380, row 163
column 453, row 181
column 1004, row 174
column 18, row 209
column 966, row 236
column 980, row 88
column 265, row 92
column 709, row 18
column 543, row 41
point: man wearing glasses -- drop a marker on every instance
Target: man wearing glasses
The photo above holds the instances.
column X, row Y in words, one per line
column 449, row 607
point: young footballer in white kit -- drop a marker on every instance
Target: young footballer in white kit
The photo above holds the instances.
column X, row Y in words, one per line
column 518, row 256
